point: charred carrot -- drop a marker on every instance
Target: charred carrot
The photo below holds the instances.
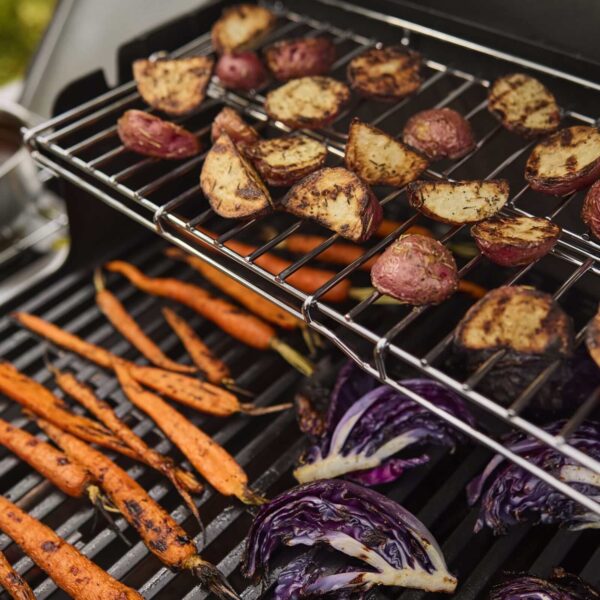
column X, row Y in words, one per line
column 252, row 301
column 233, row 320
column 212, row 461
column 181, row 479
column 13, row 583
column 124, row 323
column 163, row 536
column 78, row 576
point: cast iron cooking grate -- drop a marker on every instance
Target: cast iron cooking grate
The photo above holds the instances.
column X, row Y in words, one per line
column 82, row 146
column 266, row 446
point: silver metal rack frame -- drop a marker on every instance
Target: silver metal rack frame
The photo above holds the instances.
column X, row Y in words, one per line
column 53, row 147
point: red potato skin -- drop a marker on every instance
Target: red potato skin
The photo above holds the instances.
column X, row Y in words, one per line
column 416, row 270
column 561, row 187
column 241, row 71
column 590, row 213
column 439, row 133
column 148, row 135
column 303, row 57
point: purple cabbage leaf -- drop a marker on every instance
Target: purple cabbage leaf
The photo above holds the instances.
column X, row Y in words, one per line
column 395, row 546
column 362, row 442
column 510, row 495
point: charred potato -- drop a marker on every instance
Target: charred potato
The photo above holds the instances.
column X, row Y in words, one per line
column 439, row 133
column 380, row 159
column 285, row 160
column 241, row 71
column 592, row 338
column 458, row 202
column 174, row 86
column 417, row 270
column 241, row 27
column 148, row 135
column 565, row 162
column 337, row 199
column 529, row 327
column 230, row 122
column 303, row 57
column 515, row 241
column 524, row 105
column 308, row 102
column 232, row 186
column 590, row 213
column 385, row 74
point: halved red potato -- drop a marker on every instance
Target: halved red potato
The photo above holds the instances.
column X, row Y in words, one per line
column 592, row 338
column 524, row 105
column 458, row 202
column 308, row 102
column 388, row 74
column 175, row 86
column 514, row 241
column 151, row 136
column 565, row 162
column 439, row 133
column 590, row 213
column 337, row 199
column 241, row 71
column 230, row 122
column 241, row 27
column 380, row 159
column 301, row 57
column 417, row 270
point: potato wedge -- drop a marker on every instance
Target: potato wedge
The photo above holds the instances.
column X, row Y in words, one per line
column 458, row 202
column 241, row 27
column 230, row 122
column 308, row 102
column 566, row 161
column 590, row 212
column 174, row 86
column 524, row 105
column 417, row 270
column 380, row 159
column 336, row 198
column 592, row 338
column 302, row 57
column 232, row 186
column 285, row 160
column 148, row 135
column 514, row 241
column 385, row 74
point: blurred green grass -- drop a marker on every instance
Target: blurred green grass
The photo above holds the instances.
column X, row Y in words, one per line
column 22, row 23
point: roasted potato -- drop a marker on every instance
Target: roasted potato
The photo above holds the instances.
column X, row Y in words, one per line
column 380, row 159
column 458, row 202
column 241, row 71
column 385, row 74
column 590, row 213
column 285, row 160
column 514, row 241
column 566, row 161
column 524, row 105
column 232, row 186
column 308, row 102
column 592, row 338
column 302, row 57
column 417, row 270
column 148, row 135
column 531, row 329
column 230, row 122
column 241, row 27
column 439, row 133
column 337, row 199
column 174, row 86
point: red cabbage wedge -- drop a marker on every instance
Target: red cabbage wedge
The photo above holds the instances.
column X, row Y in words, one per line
column 395, row 547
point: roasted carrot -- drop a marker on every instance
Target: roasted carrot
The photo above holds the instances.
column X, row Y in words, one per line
column 181, row 479
column 13, row 583
column 251, row 300
column 78, row 576
column 386, row 227
column 233, row 320
column 162, row 535
column 124, row 323
column 212, row 461
column 471, row 288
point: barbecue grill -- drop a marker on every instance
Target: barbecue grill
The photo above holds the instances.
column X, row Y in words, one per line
column 80, row 146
